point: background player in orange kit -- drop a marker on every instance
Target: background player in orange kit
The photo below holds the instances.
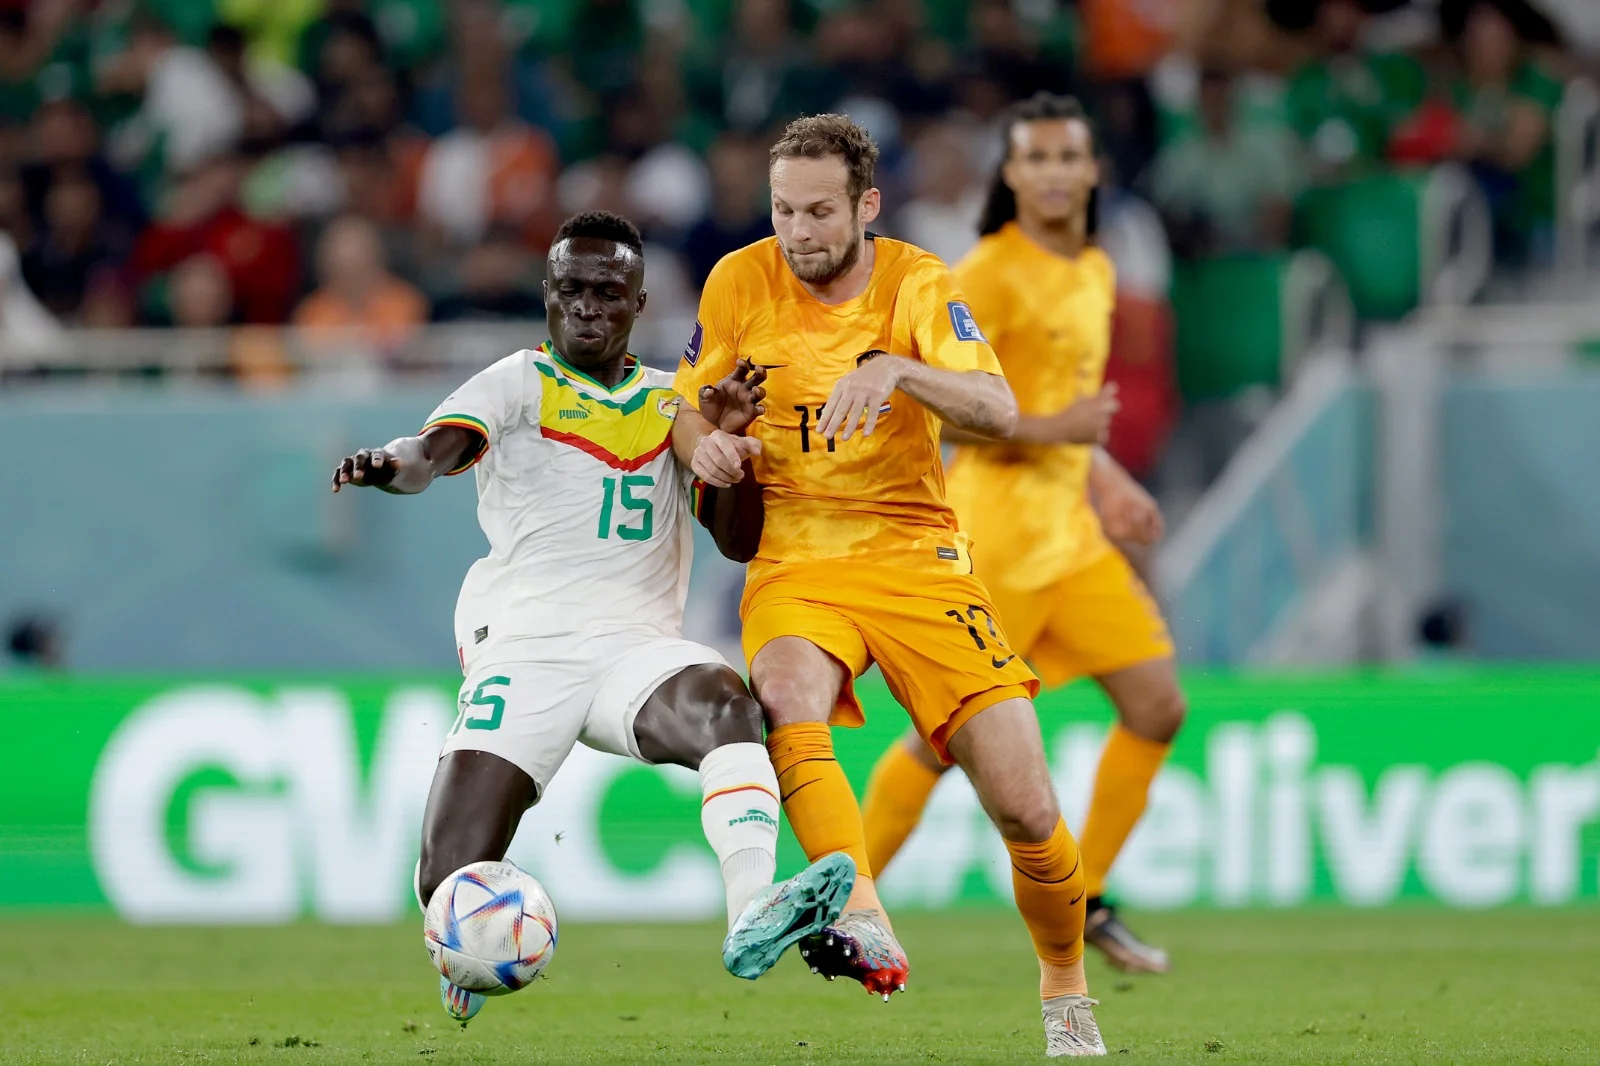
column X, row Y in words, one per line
column 868, row 346
column 1071, row 604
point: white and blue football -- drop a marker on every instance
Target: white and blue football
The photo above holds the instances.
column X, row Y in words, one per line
column 490, row 928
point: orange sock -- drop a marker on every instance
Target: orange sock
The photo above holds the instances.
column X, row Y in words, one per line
column 819, row 803
column 897, row 792
column 1121, row 788
column 1048, row 879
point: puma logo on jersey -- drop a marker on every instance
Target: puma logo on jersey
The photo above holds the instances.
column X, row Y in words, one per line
column 573, row 412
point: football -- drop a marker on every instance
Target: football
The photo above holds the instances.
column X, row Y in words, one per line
column 490, row 928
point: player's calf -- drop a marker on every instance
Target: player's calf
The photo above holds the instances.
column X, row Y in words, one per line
column 474, row 805
column 704, row 718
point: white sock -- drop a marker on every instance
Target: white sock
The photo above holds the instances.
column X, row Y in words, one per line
column 739, row 814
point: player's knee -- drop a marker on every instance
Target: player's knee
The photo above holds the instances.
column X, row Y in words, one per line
column 1161, row 717
column 791, row 697
column 734, row 720
column 1029, row 818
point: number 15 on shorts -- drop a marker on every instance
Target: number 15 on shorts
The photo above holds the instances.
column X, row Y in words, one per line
column 483, row 709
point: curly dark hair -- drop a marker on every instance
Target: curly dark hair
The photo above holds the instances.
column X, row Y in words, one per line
column 603, row 226
column 821, row 136
column 1001, row 206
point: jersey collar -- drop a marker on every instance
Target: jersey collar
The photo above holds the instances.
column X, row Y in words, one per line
column 628, row 381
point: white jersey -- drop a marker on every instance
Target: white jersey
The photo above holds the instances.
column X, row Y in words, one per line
column 585, row 507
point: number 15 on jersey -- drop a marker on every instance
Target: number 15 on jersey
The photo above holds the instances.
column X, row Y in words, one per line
column 643, row 524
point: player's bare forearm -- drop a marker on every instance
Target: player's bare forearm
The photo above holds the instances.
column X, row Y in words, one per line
column 968, row 401
column 717, row 457
column 1103, row 468
column 408, row 465
column 1031, row 429
column 687, row 430
column 734, row 516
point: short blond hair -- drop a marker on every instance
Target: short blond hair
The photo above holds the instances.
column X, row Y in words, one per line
column 824, row 136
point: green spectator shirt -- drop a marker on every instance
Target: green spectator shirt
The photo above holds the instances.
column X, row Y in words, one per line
column 1344, row 107
column 1487, row 109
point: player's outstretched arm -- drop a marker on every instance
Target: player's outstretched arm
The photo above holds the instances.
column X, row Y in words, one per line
column 408, row 465
column 971, row 400
column 1083, row 421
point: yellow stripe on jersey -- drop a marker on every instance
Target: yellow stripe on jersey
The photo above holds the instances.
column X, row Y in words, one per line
column 624, row 434
column 465, row 422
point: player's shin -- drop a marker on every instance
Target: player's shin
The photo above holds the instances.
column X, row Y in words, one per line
column 820, row 804
column 1128, row 766
column 897, row 794
column 1049, row 881
column 739, row 813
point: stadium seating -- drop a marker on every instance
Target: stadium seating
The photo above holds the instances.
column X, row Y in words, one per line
column 1245, row 320
column 1400, row 238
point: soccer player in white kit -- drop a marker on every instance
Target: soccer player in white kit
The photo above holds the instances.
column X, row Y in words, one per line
column 570, row 628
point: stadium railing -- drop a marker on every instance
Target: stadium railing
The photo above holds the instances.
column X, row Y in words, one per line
column 268, row 355
column 1456, row 243
column 1577, row 146
column 1287, row 525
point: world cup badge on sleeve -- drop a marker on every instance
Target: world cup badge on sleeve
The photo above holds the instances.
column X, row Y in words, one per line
column 691, row 351
column 961, row 321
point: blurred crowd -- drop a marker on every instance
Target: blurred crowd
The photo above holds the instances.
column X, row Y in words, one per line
column 380, row 164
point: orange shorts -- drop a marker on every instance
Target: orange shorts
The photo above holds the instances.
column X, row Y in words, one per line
column 1092, row 622
column 935, row 637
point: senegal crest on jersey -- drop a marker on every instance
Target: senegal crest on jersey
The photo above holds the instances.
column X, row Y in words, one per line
column 624, row 427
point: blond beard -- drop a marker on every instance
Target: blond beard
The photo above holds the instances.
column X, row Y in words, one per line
column 832, row 268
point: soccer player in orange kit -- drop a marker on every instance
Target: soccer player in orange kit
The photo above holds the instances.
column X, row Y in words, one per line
column 868, row 346
column 1071, row 604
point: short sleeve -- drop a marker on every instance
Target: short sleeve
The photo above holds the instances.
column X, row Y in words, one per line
column 488, row 404
column 991, row 299
column 712, row 349
column 944, row 327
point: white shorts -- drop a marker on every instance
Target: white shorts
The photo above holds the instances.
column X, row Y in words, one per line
column 528, row 701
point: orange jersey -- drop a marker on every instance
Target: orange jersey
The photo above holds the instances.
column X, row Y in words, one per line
column 1049, row 318
column 871, row 499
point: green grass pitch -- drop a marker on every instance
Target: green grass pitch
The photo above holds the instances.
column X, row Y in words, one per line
column 1410, row 986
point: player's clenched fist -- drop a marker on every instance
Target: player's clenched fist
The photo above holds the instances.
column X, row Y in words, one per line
column 376, row 467
column 718, row 459
column 859, row 396
column 370, row 466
